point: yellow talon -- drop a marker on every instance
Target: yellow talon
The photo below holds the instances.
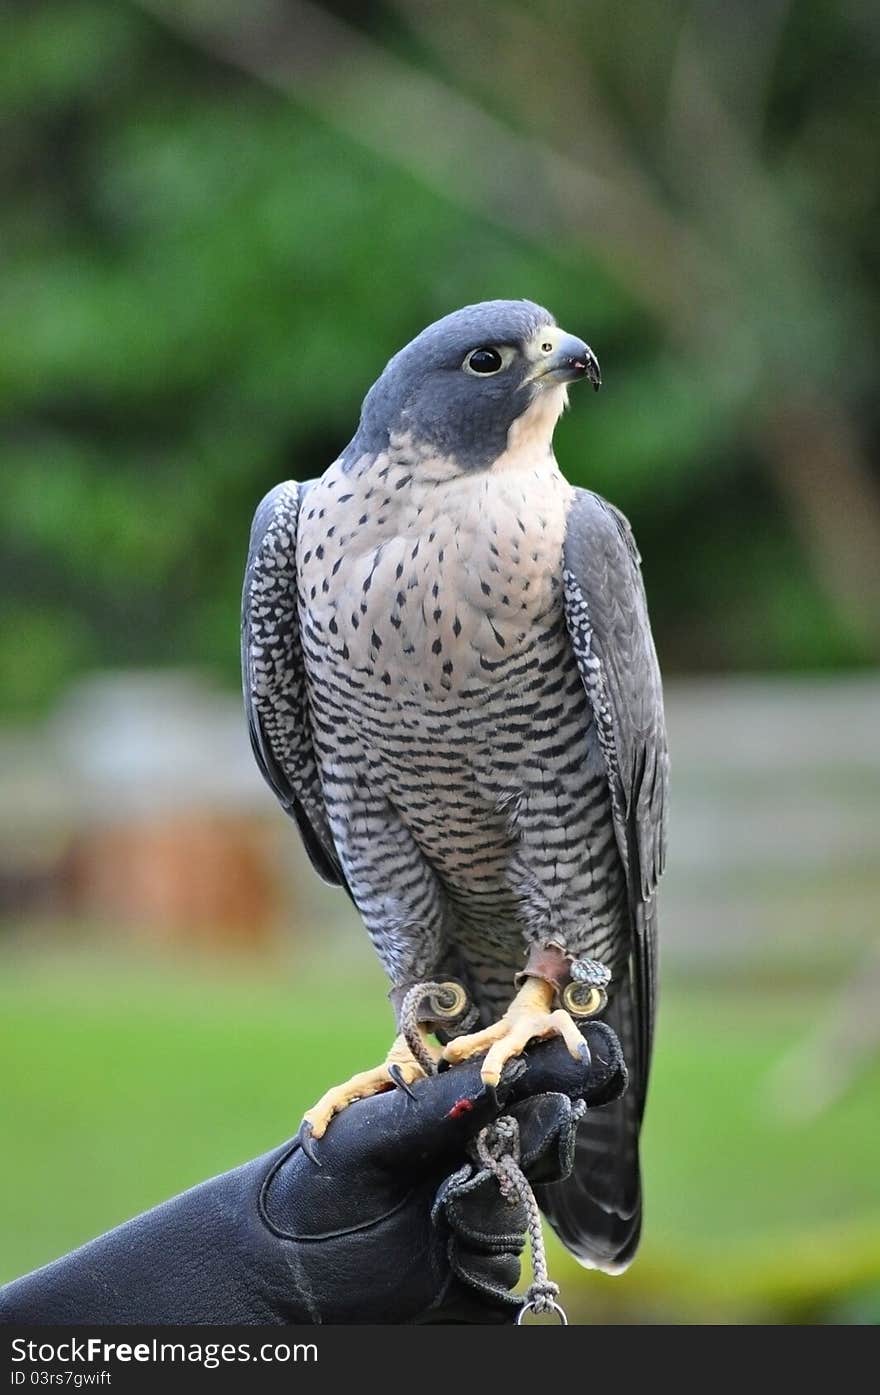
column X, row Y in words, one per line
column 530, row 1015
column 367, row 1083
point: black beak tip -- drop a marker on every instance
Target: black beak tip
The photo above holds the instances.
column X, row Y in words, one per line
column 588, row 367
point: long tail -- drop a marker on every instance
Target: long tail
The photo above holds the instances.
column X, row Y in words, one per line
column 597, row 1210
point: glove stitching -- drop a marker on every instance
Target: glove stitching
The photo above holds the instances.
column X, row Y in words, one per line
column 263, row 1208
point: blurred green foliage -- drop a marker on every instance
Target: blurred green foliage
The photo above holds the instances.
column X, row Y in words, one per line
column 202, row 277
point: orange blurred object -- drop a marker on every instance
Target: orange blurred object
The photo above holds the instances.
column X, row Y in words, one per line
column 200, row 879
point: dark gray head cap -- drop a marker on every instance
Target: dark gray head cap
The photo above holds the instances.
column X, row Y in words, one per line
column 424, row 392
column 487, row 322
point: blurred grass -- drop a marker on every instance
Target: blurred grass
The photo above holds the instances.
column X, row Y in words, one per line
column 125, row 1081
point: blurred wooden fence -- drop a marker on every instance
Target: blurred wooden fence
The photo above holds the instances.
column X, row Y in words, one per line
column 140, row 806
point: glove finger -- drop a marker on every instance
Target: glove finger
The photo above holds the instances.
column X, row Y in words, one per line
column 490, row 1276
column 430, row 1127
column 547, row 1126
column 549, row 1068
column 451, row 1108
column 472, row 1205
column 486, row 1235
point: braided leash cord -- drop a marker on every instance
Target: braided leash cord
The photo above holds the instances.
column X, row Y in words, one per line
column 409, row 1023
column 497, row 1149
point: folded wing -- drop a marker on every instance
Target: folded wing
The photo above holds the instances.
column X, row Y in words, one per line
column 273, row 675
column 597, row 1212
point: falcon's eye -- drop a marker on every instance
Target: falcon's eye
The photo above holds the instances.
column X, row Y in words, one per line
column 483, row 362
column 546, row 348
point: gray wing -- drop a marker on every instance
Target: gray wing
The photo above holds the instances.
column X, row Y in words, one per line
column 273, row 675
column 597, row 1210
column 607, row 617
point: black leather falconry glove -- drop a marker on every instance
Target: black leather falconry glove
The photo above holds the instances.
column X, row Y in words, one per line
column 395, row 1225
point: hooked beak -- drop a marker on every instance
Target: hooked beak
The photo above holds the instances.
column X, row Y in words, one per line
column 570, row 360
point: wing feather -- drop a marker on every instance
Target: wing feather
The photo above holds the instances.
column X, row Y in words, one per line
column 607, row 616
column 273, row 675
column 597, row 1209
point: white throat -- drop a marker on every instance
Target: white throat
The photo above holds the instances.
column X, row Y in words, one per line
column 530, row 438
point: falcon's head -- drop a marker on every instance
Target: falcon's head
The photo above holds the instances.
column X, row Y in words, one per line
column 459, row 387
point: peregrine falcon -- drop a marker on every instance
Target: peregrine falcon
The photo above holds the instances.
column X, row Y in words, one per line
column 451, row 686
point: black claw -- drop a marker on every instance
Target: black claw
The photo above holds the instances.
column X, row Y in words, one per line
column 396, row 1074
column 307, row 1142
column 584, row 1053
column 492, row 1092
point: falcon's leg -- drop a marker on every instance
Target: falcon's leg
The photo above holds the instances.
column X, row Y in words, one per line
column 402, row 906
column 530, row 1015
column 400, row 1067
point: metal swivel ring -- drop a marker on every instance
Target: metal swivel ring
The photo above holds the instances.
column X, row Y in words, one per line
column 583, row 999
column 549, row 1307
column 447, row 1001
